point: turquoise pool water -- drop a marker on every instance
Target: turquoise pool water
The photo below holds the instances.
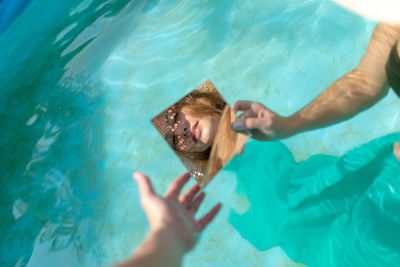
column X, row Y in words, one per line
column 80, row 81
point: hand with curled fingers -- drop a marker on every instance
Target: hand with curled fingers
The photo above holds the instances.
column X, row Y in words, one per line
column 174, row 213
column 259, row 122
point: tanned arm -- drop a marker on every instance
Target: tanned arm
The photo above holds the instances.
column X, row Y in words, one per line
column 355, row 91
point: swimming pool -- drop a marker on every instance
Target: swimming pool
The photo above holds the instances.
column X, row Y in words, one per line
column 81, row 80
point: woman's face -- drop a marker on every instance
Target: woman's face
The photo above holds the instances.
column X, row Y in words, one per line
column 189, row 133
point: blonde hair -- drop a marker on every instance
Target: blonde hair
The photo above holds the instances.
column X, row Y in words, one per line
column 199, row 104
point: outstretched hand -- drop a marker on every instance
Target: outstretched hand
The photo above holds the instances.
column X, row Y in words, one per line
column 259, row 122
column 172, row 213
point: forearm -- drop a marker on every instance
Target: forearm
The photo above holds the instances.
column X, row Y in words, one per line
column 159, row 249
column 355, row 91
column 351, row 94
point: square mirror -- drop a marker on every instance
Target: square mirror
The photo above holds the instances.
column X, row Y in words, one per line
column 198, row 129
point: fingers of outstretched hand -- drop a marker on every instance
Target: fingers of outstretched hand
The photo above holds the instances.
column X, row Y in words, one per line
column 196, row 203
column 177, row 185
column 187, row 198
column 396, row 150
column 209, row 216
column 145, row 187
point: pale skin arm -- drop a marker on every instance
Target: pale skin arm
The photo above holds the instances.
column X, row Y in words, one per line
column 173, row 228
column 356, row 91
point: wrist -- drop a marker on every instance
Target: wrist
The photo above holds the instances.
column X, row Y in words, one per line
column 179, row 234
column 166, row 237
column 292, row 125
column 159, row 249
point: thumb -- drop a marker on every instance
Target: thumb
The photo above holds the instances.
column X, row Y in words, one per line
column 145, row 187
column 246, row 124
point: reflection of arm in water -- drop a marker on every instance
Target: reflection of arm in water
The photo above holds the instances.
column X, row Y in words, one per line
column 173, row 228
column 354, row 92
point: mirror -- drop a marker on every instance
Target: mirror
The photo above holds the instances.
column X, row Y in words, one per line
column 197, row 128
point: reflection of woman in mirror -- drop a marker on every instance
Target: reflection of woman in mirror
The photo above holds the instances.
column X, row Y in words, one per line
column 192, row 128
